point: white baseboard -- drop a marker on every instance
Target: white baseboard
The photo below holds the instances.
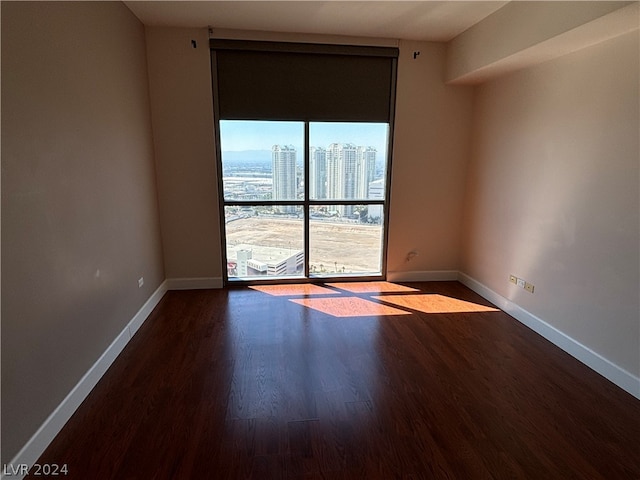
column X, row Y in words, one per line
column 40, row 440
column 622, row 378
column 423, row 276
column 194, row 283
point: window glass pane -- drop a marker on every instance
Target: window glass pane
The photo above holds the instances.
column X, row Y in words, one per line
column 264, row 241
column 347, row 161
column 345, row 239
column 262, row 160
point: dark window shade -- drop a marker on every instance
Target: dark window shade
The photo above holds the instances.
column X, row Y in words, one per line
column 287, row 83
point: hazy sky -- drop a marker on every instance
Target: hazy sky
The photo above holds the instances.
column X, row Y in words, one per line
column 238, row 135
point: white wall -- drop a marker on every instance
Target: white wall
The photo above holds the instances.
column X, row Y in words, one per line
column 553, row 195
column 79, row 204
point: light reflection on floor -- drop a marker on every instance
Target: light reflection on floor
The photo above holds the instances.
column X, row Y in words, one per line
column 434, row 303
column 372, row 287
column 294, row 289
column 348, row 307
column 406, row 299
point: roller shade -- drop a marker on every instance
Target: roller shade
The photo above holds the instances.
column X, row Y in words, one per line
column 288, row 81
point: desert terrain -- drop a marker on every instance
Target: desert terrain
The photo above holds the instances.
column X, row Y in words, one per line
column 345, row 247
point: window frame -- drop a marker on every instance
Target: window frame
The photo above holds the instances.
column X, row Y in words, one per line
column 306, row 203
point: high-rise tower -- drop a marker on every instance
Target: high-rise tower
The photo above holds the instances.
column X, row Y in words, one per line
column 317, row 173
column 341, row 173
column 283, row 171
column 365, row 170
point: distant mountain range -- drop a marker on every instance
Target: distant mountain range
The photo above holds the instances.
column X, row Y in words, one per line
column 247, row 156
column 263, row 156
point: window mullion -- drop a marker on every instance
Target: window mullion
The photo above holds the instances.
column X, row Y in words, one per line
column 306, row 199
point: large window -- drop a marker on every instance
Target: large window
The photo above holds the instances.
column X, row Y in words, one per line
column 303, row 152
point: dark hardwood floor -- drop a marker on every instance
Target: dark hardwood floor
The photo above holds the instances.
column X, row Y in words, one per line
column 333, row 382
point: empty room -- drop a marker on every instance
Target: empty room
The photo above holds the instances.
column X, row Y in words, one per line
column 320, row 240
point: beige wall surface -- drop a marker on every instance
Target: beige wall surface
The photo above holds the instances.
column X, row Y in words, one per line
column 430, row 149
column 182, row 116
column 553, row 195
column 516, row 27
column 79, row 203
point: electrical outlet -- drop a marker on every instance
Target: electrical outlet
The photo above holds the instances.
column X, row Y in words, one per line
column 522, row 283
column 140, row 282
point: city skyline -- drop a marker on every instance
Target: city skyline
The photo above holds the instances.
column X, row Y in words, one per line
column 336, row 172
column 341, row 171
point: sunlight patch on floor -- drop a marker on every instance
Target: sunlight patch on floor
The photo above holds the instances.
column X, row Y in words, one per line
column 372, row 287
column 294, row 289
column 348, row 307
column 434, row 303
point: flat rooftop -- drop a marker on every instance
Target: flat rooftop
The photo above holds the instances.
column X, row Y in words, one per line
column 260, row 253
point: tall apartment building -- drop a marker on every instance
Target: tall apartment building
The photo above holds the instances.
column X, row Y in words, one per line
column 283, row 172
column 349, row 170
column 342, row 171
column 366, row 170
column 317, row 173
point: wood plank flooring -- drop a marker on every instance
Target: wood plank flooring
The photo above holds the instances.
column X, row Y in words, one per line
column 438, row 384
